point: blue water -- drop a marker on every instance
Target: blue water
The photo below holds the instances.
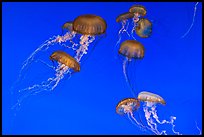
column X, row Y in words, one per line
column 86, row 103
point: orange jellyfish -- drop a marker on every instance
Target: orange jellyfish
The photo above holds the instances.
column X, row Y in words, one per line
column 130, row 49
column 68, row 26
column 138, row 11
column 128, row 106
column 150, row 101
column 89, row 26
column 123, row 18
column 66, row 65
column 144, row 28
column 66, row 60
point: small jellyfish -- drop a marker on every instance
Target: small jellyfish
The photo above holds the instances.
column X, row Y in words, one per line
column 68, row 26
column 130, row 49
column 144, row 28
column 123, row 18
column 150, row 101
column 89, row 26
column 128, row 106
column 138, row 11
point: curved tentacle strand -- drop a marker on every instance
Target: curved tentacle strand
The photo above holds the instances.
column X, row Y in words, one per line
column 195, row 8
column 126, row 76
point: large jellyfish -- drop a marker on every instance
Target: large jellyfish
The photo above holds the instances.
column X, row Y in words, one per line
column 89, row 26
column 150, row 101
column 130, row 49
column 66, row 65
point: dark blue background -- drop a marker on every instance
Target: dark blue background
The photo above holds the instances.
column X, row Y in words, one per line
column 85, row 104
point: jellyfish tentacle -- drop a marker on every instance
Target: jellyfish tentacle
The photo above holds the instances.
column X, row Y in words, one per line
column 149, row 121
column 84, row 42
column 39, row 60
column 127, row 26
column 195, row 8
column 126, row 76
column 155, row 116
column 48, row 85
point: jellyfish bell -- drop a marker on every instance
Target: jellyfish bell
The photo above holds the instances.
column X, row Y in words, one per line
column 89, row 24
column 132, row 49
column 138, row 9
column 150, row 97
column 68, row 26
column 127, row 105
column 64, row 58
column 124, row 16
column 144, row 28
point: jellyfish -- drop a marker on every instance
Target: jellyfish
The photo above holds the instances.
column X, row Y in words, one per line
column 126, row 107
column 138, row 11
column 130, row 49
column 66, row 65
column 56, row 39
column 123, row 18
column 88, row 26
column 150, row 101
column 144, row 28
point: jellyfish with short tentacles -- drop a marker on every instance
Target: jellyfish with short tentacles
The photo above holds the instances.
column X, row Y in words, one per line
column 66, row 65
column 130, row 49
column 138, row 11
column 150, row 101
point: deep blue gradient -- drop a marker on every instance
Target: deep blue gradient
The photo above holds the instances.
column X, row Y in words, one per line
column 85, row 104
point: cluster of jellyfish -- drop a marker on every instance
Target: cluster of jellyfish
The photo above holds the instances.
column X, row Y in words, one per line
column 142, row 26
column 134, row 50
column 88, row 27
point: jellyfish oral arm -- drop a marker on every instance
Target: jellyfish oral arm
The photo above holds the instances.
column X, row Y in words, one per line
column 84, row 42
column 153, row 112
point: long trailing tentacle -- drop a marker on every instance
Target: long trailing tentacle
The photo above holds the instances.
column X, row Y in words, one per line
column 126, row 76
column 48, row 85
column 195, row 8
